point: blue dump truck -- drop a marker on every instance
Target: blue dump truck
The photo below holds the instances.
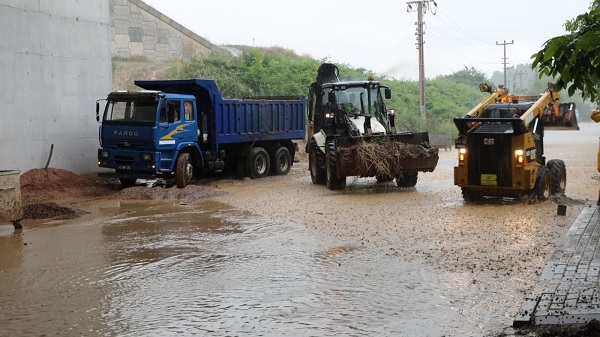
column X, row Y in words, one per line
column 177, row 129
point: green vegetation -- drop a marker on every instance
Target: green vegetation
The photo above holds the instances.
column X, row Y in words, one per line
column 575, row 57
column 277, row 71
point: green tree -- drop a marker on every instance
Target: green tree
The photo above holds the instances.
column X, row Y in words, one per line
column 574, row 57
column 472, row 77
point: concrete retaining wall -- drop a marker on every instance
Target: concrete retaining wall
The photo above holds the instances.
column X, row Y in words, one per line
column 55, row 63
column 139, row 31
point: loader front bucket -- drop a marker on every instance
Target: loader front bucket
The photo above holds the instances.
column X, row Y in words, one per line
column 390, row 156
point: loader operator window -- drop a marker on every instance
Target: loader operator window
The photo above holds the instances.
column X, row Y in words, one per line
column 352, row 101
column 502, row 113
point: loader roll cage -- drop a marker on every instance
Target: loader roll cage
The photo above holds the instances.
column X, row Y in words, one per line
column 468, row 125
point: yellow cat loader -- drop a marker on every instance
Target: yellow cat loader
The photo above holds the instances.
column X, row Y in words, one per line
column 501, row 146
column 350, row 132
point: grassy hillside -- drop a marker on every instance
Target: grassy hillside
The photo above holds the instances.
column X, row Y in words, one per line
column 277, row 71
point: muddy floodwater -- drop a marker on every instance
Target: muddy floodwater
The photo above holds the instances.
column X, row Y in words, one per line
column 281, row 256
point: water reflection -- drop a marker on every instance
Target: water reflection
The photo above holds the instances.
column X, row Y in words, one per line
column 206, row 269
column 156, row 269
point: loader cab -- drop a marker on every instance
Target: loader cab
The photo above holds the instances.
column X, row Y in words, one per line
column 331, row 104
column 505, row 110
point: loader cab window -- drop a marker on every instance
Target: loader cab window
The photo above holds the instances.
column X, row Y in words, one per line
column 349, row 101
column 502, row 112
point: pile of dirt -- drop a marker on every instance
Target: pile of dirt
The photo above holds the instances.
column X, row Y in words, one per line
column 50, row 211
column 42, row 185
column 189, row 194
column 51, row 193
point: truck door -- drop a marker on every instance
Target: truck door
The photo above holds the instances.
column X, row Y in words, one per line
column 173, row 126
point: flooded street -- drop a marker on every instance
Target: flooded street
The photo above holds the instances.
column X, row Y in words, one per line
column 281, row 256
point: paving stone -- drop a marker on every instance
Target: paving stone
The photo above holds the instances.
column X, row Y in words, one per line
column 570, row 278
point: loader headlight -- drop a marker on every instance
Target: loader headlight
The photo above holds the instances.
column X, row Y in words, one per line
column 519, row 158
column 462, row 153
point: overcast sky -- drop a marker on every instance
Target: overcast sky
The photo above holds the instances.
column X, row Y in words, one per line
column 379, row 35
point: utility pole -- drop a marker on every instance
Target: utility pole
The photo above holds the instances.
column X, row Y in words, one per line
column 504, row 58
column 421, row 8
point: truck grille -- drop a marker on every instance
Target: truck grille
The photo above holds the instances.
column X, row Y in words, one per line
column 127, row 145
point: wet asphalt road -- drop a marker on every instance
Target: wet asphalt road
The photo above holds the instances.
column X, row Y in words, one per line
column 280, row 256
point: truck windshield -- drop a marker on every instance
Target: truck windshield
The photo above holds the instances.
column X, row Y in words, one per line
column 359, row 101
column 134, row 111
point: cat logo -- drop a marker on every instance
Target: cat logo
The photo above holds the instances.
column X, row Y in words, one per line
column 488, row 141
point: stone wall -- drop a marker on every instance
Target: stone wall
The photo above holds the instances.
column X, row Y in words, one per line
column 139, row 31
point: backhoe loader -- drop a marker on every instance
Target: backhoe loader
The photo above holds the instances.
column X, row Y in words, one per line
column 350, row 132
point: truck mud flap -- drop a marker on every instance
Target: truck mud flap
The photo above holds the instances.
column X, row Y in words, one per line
column 385, row 156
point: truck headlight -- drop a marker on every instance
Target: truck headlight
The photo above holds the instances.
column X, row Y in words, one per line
column 146, row 156
column 103, row 154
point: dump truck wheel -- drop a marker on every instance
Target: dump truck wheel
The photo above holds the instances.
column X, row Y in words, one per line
column 333, row 181
column 281, row 161
column 184, row 173
column 127, row 182
column 258, row 163
column 315, row 165
column 407, row 179
column 558, row 175
column 542, row 185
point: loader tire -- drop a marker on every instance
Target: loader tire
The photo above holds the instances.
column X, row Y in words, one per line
column 471, row 196
column 316, row 165
column 558, row 176
column 184, row 172
column 407, row 179
column 281, row 161
column 258, row 163
column 542, row 184
column 333, row 181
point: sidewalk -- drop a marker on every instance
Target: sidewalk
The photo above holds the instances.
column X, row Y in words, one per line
column 571, row 291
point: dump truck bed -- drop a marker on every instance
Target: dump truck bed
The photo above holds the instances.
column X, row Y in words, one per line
column 240, row 120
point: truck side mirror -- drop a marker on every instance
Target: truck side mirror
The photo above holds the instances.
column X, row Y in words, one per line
column 388, row 93
column 97, row 111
